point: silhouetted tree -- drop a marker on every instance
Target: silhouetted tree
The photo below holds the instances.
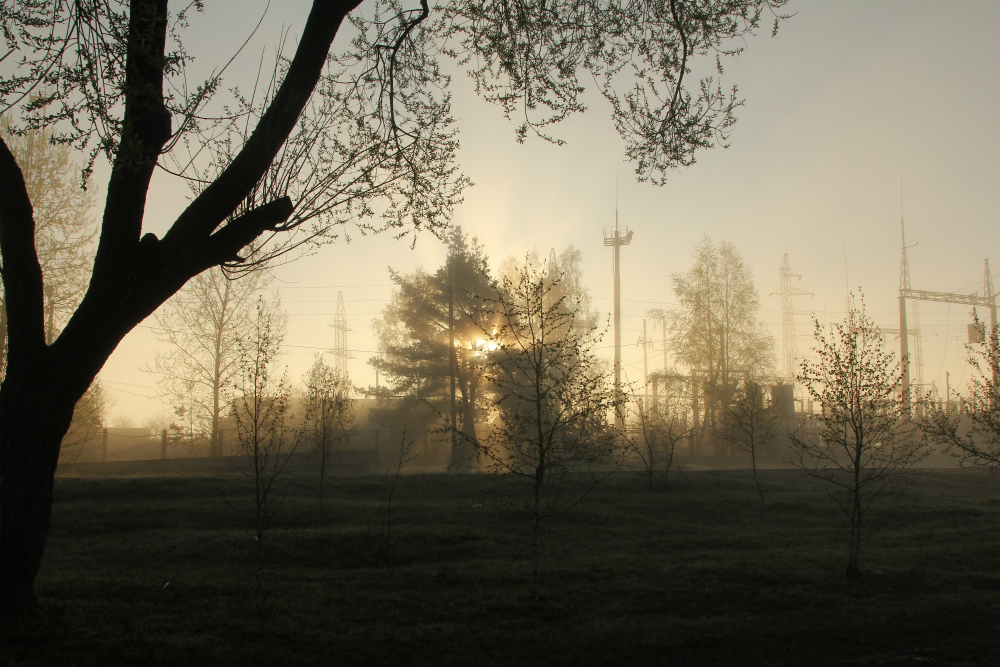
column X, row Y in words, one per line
column 750, row 421
column 272, row 171
column 329, row 415
column 64, row 235
column 261, row 410
column 863, row 441
column 553, row 398
column 64, row 227
column 429, row 333
column 202, row 325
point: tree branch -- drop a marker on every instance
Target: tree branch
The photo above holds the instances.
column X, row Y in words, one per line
column 225, row 244
column 224, row 195
column 145, row 129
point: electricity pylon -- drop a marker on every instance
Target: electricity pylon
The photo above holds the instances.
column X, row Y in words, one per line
column 987, row 300
column 788, row 312
column 647, row 344
column 339, row 350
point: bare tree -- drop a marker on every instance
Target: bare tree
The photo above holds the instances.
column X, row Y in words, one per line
column 329, row 416
column 553, row 398
column 653, row 439
column 202, row 325
column 973, row 431
column 383, row 541
column 334, row 137
column 264, row 430
column 750, row 421
column 863, row 442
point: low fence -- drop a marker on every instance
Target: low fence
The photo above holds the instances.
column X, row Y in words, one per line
column 120, row 451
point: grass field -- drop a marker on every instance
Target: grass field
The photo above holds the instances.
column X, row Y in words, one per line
column 155, row 571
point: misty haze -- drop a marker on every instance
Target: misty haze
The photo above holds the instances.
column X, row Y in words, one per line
column 525, row 333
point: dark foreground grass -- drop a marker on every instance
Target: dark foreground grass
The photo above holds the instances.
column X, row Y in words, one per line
column 156, row 572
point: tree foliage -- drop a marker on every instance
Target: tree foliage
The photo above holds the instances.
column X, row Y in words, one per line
column 863, row 441
column 430, row 331
column 716, row 333
column 531, row 59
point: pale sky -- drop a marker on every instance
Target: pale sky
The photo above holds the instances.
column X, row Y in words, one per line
column 856, row 113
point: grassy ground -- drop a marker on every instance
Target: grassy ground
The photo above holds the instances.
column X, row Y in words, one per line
column 155, row 571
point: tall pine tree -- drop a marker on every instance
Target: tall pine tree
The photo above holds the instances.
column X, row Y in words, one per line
column 430, row 335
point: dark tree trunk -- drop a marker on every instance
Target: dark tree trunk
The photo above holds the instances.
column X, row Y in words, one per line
column 33, row 421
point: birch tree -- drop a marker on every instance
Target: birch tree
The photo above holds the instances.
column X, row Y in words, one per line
column 863, row 442
column 554, row 398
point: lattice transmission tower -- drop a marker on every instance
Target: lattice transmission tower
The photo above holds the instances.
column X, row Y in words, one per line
column 789, row 290
column 339, row 350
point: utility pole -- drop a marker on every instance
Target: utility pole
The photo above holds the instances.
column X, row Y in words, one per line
column 646, row 343
column 663, row 323
column 616, row 237
column 904, row 343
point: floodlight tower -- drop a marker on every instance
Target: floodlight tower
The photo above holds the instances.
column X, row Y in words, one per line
column 616, row 237
column 339, row 349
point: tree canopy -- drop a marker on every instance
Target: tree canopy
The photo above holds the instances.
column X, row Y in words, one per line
column 430, row 329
